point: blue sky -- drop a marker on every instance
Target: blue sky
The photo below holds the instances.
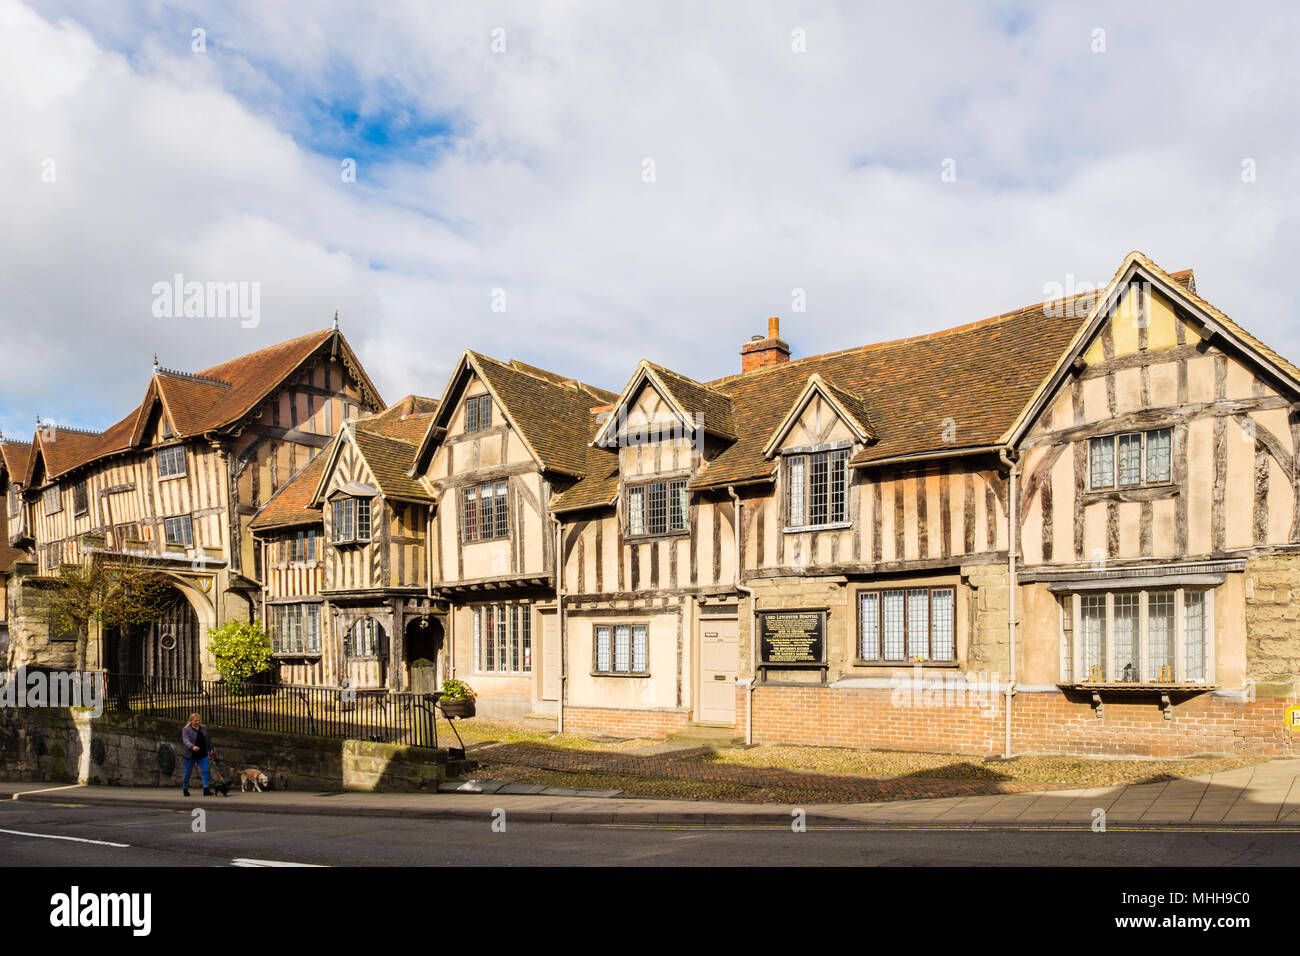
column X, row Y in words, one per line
column 500, row 153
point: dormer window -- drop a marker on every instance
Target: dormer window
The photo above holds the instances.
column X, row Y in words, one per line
column 817, row 489
column 657, row 507
column 350, row 521
column 478, row 413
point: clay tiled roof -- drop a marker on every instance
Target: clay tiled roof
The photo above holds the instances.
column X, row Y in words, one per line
column 980, row 375
column 553, row 418
column 406, row 420
column 209, row 400
column 599, row 486
column 389, row 460
column 14, row 455
column 290, row 506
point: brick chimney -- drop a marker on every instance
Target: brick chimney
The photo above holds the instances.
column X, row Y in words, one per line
column 761, row 352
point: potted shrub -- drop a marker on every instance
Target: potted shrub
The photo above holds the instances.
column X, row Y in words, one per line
column 457, row 698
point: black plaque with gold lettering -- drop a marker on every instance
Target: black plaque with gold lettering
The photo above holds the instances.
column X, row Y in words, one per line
column 792, row 638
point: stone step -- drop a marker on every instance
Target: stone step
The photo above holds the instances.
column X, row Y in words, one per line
column 706, row 735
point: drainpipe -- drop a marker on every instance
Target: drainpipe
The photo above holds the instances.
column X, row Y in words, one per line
column 559, row 622
column 1013, row 521
column 753, row 626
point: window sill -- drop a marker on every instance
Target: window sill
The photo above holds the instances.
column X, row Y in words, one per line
column 1132, row 493
column 834, row 526
column 499, row 537
column 295, row 655
column 650, row 537
column 503, row 673
column 896, row 664
column 1134, row 687
column 619, row 674
column 170, row 477
column 350, row 542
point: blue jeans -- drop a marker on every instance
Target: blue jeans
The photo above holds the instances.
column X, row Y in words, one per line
column 189, row 768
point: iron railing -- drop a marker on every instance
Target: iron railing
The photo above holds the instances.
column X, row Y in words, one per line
column 331, row 712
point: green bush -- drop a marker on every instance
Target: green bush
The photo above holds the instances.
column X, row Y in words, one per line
column 241, row 649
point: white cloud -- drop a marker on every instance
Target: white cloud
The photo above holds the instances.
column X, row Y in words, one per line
column 775, row 170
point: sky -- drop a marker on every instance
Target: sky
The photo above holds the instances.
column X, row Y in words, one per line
column 583, row 185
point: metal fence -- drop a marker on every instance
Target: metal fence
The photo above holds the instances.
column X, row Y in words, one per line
column 285, row 709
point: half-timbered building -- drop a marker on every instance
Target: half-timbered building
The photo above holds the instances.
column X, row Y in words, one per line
column 179, row 479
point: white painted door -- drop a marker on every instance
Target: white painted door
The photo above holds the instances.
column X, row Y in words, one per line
column 719, row 664
column 550, row 658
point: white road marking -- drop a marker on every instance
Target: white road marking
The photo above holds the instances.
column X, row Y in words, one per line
column 70, row 786
column 246, row 861
column 52, row 836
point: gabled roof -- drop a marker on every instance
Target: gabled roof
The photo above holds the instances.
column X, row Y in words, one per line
column 549, row 414
column 690, row 400
column 290, row 506
column 406, row 420
column 848, row 406
column 213, row 400
column 57, row 450
column 14, row 456
column 1179, row 287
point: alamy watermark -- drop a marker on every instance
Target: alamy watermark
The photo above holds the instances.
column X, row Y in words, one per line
column 179, row 299
column 970, row 689
column 41, row 688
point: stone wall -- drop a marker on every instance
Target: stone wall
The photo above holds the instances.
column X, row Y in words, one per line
column 1273, row 617
column 135, row 750
column 29, row 632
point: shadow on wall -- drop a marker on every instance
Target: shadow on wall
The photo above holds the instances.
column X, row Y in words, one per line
column 134, row 750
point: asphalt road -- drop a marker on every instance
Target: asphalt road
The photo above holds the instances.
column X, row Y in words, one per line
column 55, row 835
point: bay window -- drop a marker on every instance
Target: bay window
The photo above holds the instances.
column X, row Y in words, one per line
column 1155, row 636
column 350, row 520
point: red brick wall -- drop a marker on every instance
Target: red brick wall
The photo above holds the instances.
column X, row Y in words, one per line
column 625, row 723
column 1046, row 722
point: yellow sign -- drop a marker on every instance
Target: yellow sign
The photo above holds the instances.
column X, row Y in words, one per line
column 205, row 585
column 1293, row 719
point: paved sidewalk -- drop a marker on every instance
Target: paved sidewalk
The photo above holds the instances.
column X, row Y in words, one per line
column 1260, row 795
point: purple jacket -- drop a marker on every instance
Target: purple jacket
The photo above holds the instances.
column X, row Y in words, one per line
column 190, row 740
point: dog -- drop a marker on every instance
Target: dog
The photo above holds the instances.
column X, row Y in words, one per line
column 254, row 776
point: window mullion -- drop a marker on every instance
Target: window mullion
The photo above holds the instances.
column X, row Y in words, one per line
column 1108, row 640
column 1180, row 636
column 1144, row 625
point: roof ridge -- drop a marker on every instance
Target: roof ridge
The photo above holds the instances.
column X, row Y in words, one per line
column 268, row 348
column 550, row 378
column 193, row 377
column 76, row 431
column 906, row 340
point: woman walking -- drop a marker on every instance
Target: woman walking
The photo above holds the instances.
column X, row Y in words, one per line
column 197, row 747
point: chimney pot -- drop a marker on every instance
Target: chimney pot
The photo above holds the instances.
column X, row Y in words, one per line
column 756, row 338
column 774, row 327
